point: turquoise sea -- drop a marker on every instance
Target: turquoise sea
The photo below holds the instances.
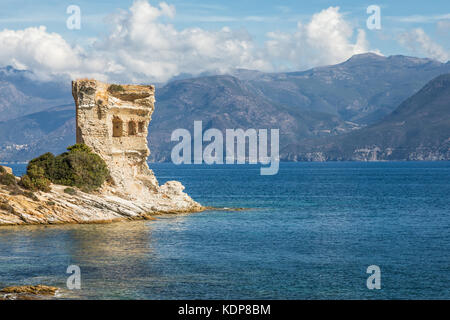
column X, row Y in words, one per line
column 310, row 232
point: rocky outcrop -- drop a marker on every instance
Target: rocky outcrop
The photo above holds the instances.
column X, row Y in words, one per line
column 59, row 207
column 7, row 169
column 38, row 292
column 113, row 121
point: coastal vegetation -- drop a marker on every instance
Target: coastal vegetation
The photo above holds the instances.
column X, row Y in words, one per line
column 78, row 167
column 70, row 191
column 108, row 166
column 6, row 178
column 10, row 181
column 116, row 88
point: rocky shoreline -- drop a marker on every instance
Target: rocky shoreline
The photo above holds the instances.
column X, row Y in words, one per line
column 108, row 165
column 38, row 292
column 104, row 206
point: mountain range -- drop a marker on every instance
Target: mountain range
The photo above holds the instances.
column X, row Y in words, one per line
column 21, row 93
column 419, row 129
column 369, row 107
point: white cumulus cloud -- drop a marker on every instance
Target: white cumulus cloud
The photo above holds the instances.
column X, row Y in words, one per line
column 158, row 51
column 47, row 54
column 419, row 42
column 326, row 39
column 143, row 46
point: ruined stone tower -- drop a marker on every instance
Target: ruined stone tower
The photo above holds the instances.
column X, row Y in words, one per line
column 113, row 121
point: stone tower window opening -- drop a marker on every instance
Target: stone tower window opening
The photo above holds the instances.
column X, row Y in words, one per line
column 141, row 126
column 117, row 127
column 132, row 128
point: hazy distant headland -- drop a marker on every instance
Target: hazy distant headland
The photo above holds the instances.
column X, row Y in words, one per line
column 367, row 108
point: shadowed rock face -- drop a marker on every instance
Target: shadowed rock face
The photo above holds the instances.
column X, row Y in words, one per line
column 113, row 121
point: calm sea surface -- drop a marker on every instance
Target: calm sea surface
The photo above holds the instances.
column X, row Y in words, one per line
column 311, row 233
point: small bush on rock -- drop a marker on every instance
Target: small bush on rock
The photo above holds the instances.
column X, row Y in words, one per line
column 30, row 195
column 5, row 206
column 115, row 88
column 79, row 167
column 70, row 191
column 16, row 191
column 35, row 179
column 7, row 179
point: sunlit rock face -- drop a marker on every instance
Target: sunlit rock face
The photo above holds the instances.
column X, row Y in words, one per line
column 113, row 120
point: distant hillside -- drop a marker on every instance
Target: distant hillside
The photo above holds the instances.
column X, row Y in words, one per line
column 21, row 93
column 321, row 102
column 324, row 101
column 25, row 137
column 419, row 129
column 226, row 102
column 363, row 89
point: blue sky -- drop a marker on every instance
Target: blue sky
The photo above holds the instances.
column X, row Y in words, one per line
column 256, row 19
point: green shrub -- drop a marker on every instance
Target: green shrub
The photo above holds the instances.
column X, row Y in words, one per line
column 25, row 182
column 44, row 161
column 16, row 191
column 35, row 184
column 70, row 191
column 2, row 170
column 79, row 167
column 30, row 195
column 80, row 147
column 7, row 179
column 115, row 88
column 35, row 179
column 4, row 205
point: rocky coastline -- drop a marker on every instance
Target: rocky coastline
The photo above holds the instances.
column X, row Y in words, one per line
column 112, row 121
column 104, row 206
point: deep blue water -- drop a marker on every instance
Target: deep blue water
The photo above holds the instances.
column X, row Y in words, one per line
column 311, row 232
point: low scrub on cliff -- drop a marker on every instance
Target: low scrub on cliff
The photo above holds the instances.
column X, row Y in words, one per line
column 6, row 178
column 70, row 191
column 11, row 184
column 35, row 179
column 79, row 167
column 116, row 88
column 5, row 206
